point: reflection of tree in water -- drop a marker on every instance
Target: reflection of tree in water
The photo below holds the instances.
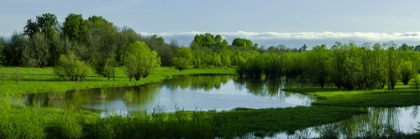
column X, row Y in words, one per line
column 72, row 100
column 145, row 93
column 378, row 122
column 197, row 82
column 262, row 87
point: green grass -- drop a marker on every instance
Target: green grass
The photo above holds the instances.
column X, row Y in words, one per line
column 53, row 123
column 372, row 98
column 36, row 80
column 402, row 95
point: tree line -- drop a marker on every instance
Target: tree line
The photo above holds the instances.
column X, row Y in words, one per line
column 78, row 44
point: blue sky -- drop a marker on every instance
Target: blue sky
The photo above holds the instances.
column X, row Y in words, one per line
column 266, row 22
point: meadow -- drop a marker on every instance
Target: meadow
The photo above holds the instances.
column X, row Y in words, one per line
column 40, row 80
column 332, row 105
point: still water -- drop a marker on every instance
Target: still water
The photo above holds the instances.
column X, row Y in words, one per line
column 379, row 122
column 188, row 93
column 225, row 93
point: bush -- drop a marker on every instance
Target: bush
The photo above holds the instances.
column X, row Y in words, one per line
column 69, row 66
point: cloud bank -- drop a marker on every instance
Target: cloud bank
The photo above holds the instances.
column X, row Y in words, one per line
column 297, row 39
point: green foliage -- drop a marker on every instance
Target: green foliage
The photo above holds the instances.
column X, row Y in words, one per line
column 139, row 60
column 16, row 75
column 44, row 24
column 166, row 52
column 13, row 51
column 101, row 37
column 70, row 67
column 75, row 27
column 360, row 98
column 208, row 40
column 126, row 37
column 37, row 53
column 183, row 58
column 244, row 43
column 109, row 69
column 407, row 72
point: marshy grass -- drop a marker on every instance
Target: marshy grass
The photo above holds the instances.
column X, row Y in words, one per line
column 41, row 80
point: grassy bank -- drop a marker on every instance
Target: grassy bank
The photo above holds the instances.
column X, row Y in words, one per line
column 51, row 123
column 35, row 80
column 403, row 95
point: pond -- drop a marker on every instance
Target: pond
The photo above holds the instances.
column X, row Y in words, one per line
column 188, row 93
column 225, row 93
column 378, row 122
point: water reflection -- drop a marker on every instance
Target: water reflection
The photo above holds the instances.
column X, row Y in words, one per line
column 378, row 123
column 189, row 93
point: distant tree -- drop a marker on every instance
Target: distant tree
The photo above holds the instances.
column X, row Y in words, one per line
column 405, row 47
column 208, row 40
column 75, row 27
column 392, row 65
column 37, row 53
column 17, row 75
column 407, row 72
column 165, row 51
column 71, row 67
column 318, row 64
column 303, row 48
column 183, row 58
column 14, row 49
column 244, row 43
column 44, row 24
column 416, row 81
column 101, row 40
column 126, row 37
column 2, row 46
column 417, row 48
column 109, row 69
column 139, row 60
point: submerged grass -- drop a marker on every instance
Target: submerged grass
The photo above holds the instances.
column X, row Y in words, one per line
column 51, row 123
column 37, row 80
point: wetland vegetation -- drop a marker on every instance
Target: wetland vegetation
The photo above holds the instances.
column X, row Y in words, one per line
column 92, row 60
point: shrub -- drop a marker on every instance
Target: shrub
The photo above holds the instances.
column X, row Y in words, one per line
column 69, row 66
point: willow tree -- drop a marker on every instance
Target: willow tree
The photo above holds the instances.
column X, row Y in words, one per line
column 183, row 58
column 139, row 60
column 318, row 62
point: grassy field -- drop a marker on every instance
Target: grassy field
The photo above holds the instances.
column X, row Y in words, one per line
column 402, row 95
column 36, row 80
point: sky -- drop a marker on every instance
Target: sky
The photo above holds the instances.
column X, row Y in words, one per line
column 266, row 22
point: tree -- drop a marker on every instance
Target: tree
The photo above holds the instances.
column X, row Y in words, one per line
column 318, row 62
column 44, row 24
column 165, row 51
column 109, row 69
column 407, row 72
column 75, row 27
column 183, row 58
column 37, row 53
column 16, row 75
column 14, row 50
column 139, row 60
column 244, row 43
column 101, row 41
column 416, row 81
column 208, row 40
column 2, row 46
column 126, row 37
column 70, row 67
column 392, row 65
